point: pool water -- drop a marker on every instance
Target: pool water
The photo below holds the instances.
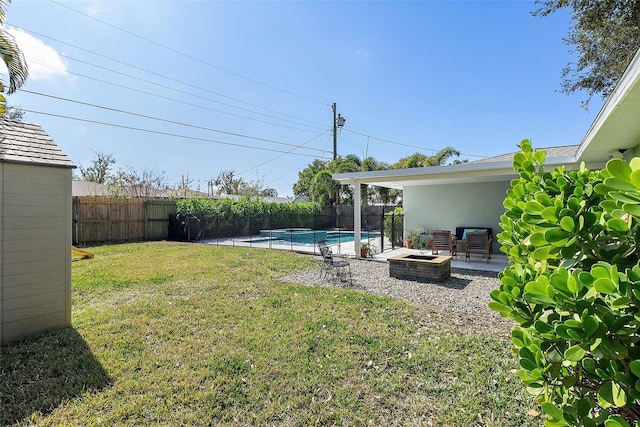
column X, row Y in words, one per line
column 305, row 236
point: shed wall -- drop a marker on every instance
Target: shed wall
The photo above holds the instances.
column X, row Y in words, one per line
column 447, row 206
column 35, row 281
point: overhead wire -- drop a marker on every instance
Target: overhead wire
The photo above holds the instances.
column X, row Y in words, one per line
column 433, row 150
column 179, row 101
column 185, row 92
column 193, row 58
column 163, row 133
column 289, row 173
column 163, row 76
column 280, row 155
column 164, row 120
column 185, row 102
column 347, row 141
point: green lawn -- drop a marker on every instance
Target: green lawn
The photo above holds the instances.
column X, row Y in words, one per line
column 184, row 334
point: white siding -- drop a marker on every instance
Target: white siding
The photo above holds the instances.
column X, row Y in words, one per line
column 35, row 254
column 447, row 206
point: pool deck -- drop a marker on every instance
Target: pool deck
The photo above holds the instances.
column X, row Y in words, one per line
column 347, row 249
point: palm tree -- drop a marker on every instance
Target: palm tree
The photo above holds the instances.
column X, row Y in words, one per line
column 418, row 160
column 13, row 59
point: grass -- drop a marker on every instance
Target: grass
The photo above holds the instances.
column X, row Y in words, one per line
column 181, row 334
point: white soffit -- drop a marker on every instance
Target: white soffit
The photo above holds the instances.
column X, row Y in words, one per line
column 617, row 126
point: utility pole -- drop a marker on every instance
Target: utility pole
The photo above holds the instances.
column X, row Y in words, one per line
column 335, row 132
column 338, row 122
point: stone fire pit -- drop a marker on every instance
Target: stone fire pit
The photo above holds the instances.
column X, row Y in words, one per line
column 420, row 267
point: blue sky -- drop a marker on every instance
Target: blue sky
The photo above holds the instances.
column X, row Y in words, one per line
column 196, row 87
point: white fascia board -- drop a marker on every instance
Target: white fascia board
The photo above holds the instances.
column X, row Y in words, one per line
column 620, row 91
column 419, row 172
column 454, row 173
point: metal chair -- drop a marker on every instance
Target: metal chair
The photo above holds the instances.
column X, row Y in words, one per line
column 337, row 265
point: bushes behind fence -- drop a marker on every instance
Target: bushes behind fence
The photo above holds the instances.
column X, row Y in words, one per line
column 227, row 217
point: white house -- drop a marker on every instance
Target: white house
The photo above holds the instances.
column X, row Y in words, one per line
column 471, row 194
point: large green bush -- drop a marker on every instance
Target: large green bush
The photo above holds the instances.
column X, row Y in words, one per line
column 237, row 217
column 573, row 288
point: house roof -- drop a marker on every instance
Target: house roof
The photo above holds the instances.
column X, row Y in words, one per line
column 28, row 143
column 93, row 189
column 499, row 168
column 561, row 151
column 615, row 130
column 88, row 188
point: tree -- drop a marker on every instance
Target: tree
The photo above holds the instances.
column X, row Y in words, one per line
column 419, row 160
column 324, row 188
column 13, row 59
column 605, row 35
column 134, row 183
column 184, row 185
column 228, row 183
column 99, row 169
column 302, row 188
column 14, row 113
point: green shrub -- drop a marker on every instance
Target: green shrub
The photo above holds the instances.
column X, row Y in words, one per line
column 244, row 216
column 573, row 288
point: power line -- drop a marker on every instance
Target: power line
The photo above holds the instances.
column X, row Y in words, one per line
column 280, row 155
column 164, row 133
column 433, row 150
column 102, row 107
column 183, row 91
column 193, row 58
column 182, row 102
column 167, row 78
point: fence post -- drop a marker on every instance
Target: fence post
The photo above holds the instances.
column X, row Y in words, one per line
column 382, row 232
column 393, row 230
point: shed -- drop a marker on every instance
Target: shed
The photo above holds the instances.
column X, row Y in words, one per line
column 35, row 232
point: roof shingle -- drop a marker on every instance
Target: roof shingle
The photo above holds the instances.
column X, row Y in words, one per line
column 29, row 143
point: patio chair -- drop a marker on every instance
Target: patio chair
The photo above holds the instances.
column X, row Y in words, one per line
column 335, row 268
column 443, row 240
column 478, row 243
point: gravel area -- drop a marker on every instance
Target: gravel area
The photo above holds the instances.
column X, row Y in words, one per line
column 465, row 294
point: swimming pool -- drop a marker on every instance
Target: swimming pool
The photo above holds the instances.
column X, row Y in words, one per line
column 307, row 236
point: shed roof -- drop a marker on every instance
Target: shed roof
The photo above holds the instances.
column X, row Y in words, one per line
column 28, row 143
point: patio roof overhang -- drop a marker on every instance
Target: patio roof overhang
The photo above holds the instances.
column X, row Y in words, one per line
column 449, row 174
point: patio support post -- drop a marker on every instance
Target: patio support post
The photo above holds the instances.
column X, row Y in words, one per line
column 357, row 226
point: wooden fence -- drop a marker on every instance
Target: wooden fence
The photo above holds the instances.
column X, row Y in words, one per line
column 110, row 219
column 116, row 220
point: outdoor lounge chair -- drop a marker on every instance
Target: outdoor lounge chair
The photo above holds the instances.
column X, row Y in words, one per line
column 443, row 241
column 335, row 268
column 478, row 243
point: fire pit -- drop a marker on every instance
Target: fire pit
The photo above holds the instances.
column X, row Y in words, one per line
column 420, row 267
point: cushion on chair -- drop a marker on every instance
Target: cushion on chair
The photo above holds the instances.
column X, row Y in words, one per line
column 461, row 232
column 469, row 230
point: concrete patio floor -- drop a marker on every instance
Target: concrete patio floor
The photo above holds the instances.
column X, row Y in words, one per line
column 347, row 249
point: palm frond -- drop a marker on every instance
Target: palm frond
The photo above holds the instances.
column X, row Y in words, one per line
column 14, row 60
column 3, row 4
